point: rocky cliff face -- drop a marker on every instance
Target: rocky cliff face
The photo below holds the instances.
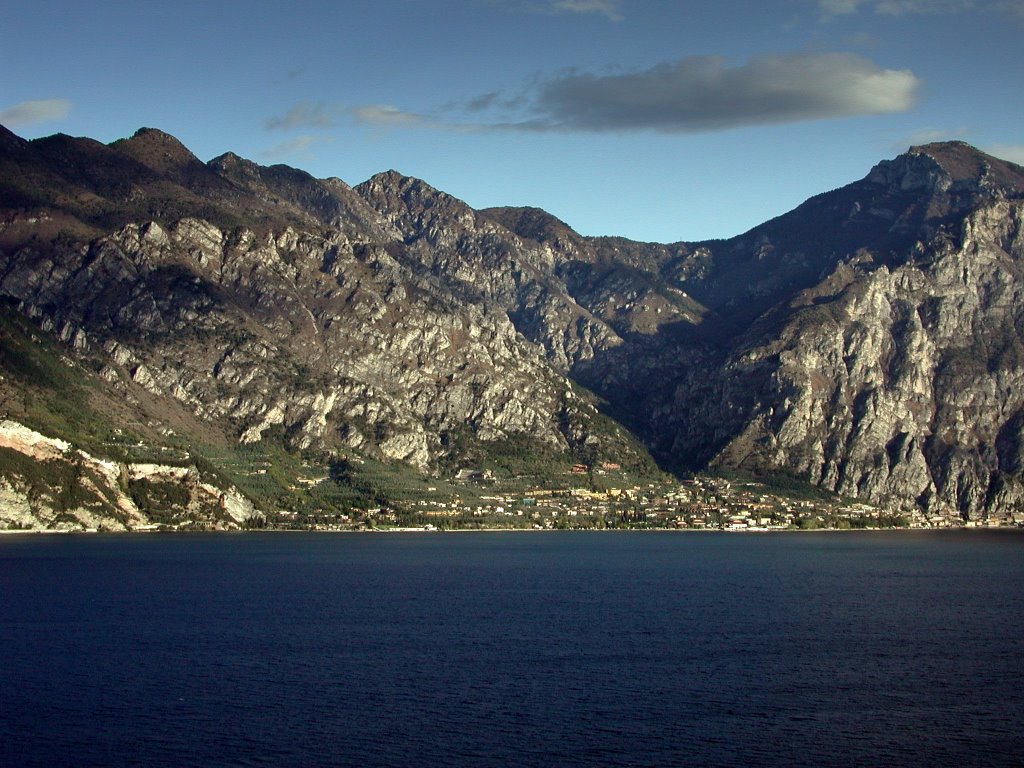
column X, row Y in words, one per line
column 896, row 383
column 896, row 377
column 868, row 341
column 48, row 484
column 323, row 338
column 475, row 257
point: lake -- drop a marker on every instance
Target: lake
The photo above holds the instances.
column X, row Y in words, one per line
column 523, row 649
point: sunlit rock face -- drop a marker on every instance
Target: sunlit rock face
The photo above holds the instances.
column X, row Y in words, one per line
column 899, row 384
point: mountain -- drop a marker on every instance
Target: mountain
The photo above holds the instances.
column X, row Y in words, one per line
column 320, row 325
column 873, row 339
column 867, row 342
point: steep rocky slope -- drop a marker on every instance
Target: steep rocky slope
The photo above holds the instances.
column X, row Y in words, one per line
column 895, row 374
column 868, row 341
column 896, row 382
column 476, row 258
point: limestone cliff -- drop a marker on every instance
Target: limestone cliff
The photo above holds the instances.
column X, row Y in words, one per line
column 47, row 484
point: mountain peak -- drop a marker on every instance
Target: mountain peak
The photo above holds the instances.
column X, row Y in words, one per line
column 154, row 134
column 395, row 180
column 394, row 186
column 9, row 141
column 941, row 166
column 154, row 137
column 229, row 158
column 232, row 166
column 532, row 223
column 965, row 163
column 156, row 150
column 390, row 175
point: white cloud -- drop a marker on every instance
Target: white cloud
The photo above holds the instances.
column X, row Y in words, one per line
column 904, row 7
column 291, row 147
column 838, row 7
column 383, row 114
column 606, row 8
column 1012, row 152
column 705, row 94
column 304, row 114
column 32, row 112
column 1012, row 7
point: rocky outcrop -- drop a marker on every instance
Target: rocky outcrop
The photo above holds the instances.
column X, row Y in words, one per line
column 475, row 256
column 46, row 484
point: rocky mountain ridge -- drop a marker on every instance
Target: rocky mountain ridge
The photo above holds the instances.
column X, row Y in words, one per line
column 868, row 342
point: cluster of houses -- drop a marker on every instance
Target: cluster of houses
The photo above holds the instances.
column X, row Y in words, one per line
column 703, row 503
column 476, row 499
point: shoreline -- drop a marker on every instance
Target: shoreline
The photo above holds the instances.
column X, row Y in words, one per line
column 384, row 531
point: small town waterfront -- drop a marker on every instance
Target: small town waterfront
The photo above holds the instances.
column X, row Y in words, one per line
column 479, row 501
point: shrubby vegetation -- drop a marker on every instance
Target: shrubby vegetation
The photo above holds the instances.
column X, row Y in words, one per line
column 161, row 502
column 58, row 481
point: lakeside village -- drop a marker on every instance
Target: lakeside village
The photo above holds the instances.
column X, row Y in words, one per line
column 702, row 503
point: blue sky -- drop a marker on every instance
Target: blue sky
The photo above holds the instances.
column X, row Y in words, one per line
column 651, row 119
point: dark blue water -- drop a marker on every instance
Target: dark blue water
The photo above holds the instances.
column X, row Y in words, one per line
column 546, row 649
